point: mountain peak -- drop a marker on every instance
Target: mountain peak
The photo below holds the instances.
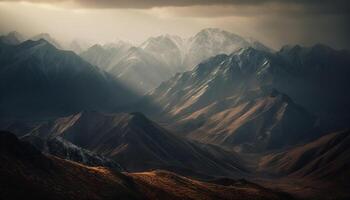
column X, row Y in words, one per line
column 139, row 118
column 48, row 38
column 16, row 34
column 40, row 42
column 218, row 34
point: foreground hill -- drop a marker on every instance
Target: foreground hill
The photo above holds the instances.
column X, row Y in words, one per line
column 36, row 79
column 26, row 173
column 166, row 185
column 139, row 144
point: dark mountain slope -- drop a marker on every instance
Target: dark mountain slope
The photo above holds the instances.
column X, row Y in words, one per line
column 26, row 173
column 316, row 170
column 326, row 158
column 253, row 122
column 36, row 79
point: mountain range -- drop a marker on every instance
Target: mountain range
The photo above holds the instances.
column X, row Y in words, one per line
column 173, row 118
column 144, row 67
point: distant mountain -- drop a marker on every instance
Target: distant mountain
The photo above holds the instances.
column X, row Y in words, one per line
column 158, row 58
column 79, row 46
column 47, row 37
column 106, row 56
column 170, row 50
column 182, row 54
column 36, row 79
column 212, row 41
column 12, row 38
column 135, row 67
column 139, row 144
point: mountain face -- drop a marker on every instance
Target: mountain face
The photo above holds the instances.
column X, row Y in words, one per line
column 214, row 79
column 252, row 123
column 144, row 67
column 12, row 38
column 303, row 74
column 36, row 79
column 139, row 144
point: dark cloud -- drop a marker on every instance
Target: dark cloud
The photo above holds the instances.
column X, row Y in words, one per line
column 274, row 22
column 323, row 6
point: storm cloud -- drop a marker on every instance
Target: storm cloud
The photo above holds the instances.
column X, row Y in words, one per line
column 274, row 22
column 321, row 6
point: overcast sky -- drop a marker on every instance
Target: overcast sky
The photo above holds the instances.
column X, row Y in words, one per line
column 273, row 22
